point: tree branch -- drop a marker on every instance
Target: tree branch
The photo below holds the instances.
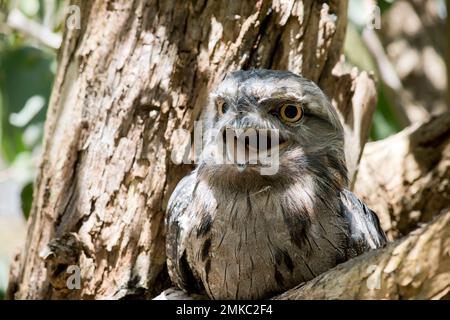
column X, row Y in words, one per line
column 405, row 178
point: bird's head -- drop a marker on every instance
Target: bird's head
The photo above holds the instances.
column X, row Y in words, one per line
column 273, row 114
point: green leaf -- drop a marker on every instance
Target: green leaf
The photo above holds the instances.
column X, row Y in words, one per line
column 27, row 198
column 2, row 295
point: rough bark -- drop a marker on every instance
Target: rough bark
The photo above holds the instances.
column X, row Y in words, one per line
column 135, row 72
column 406, row 178
column 417, row 267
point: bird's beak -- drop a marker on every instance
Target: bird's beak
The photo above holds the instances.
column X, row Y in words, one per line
column 246, row 146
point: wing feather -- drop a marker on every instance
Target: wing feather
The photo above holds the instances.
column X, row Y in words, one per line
column 177, row 221
column 364, row 225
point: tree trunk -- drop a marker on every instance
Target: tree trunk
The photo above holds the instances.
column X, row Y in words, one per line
column 133, row 73
column 405, row 179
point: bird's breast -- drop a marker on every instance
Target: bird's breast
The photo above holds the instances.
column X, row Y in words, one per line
column 250, row 245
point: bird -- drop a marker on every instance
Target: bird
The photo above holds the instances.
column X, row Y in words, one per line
column 235, row 233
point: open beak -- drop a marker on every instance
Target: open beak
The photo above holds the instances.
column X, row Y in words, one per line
column 245, row 147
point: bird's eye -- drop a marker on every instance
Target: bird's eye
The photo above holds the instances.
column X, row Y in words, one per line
column 290, row 113
column 222, row 106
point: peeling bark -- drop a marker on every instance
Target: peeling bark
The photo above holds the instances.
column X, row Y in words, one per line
column 405, row 179
column 135, row 72
column 417, row 267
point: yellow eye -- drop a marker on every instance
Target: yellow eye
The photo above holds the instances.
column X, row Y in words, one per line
column 290, row 113
column 222, row 106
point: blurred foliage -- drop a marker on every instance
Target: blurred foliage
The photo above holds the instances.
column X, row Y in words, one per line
column 384, row 123
column 360, row 10
column 360, row 16
column 27, row 70
column 356, row 51
column 25, row 83
column 2, row 294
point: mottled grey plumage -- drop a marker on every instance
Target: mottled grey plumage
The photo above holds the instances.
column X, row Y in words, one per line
column 244, row 235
